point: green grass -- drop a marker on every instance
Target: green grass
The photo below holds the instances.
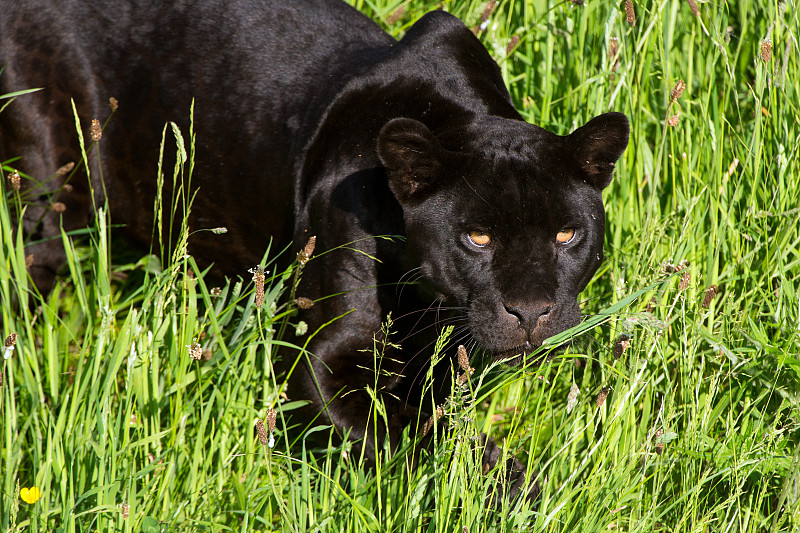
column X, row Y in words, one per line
column 700, row 429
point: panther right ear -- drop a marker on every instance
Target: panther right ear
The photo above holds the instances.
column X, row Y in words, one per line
column 412, row 156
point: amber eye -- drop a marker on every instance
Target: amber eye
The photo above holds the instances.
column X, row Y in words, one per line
column 565, row 235
column 479, row 238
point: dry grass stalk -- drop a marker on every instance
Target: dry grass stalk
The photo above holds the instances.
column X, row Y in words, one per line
column 693, row 6
column 96, row 130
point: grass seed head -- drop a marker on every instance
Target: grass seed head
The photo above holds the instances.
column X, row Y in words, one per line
column 673, row 120
column 766, row 50
column 113, row 104
column 601, row 398
column 58, row 207
column 630, row 14
column 307, row 251
column 96, row 130
column 659, row 445
column 125, row 508
column 195, row 351
column 487, row 11
column 512, row 44
column 677, row 91
column 694, row 8
column 396, row 15
column 271, row 418
column 709, row 296
column 686, row 279
column 263, row 437
column 304, row 303
column 622, row 343
column 259, row 279
column 29, row 261
column 63, row 170
column 11, row 340
column 15, row 180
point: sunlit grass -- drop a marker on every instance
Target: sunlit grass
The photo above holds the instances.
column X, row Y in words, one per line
column 694, row 426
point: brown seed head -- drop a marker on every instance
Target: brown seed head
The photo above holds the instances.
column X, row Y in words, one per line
column 216, row 291
column 263, row 437
column 709, row 296
column 28, row 261
column 304, row 303
column 673, row 120
column 258, row 280
column 694, row 8
column 686, row 278
column 207, row 354
column 512, row 44
column 630, row 14
column 428, row 425
column 622, row 343
column 65, row 169
column 15, row 180
column 67, row 187
column 613, row 50
column 11, row 340
column 396, row 15
column 601, row 398
column 96, row 130
column 766, row 50
column 659, row 445
column 307, row 251
column 125, row 508
column 487, row 11
column 113, row 104
column 271, row 418
column 195, row 351
column 58, row 207
column 677, row 91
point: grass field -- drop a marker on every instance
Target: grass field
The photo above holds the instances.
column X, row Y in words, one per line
column 679, row 412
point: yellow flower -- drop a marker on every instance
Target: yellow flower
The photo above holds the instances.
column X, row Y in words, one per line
column 30, row 495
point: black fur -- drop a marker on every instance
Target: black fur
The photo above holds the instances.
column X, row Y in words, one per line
column 310, row 120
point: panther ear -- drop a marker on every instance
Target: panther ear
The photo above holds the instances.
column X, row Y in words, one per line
column 598, row 144
column 412, row 156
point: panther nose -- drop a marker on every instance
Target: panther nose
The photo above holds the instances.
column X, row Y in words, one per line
column 528, row 317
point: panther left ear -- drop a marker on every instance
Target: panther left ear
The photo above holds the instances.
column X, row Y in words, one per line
column 412, row 156
column 599, row 143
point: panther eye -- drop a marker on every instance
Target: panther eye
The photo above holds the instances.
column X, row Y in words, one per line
column 565, row 235
column 479, row 238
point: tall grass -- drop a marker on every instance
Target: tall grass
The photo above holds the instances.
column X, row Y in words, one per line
column 679, row 412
